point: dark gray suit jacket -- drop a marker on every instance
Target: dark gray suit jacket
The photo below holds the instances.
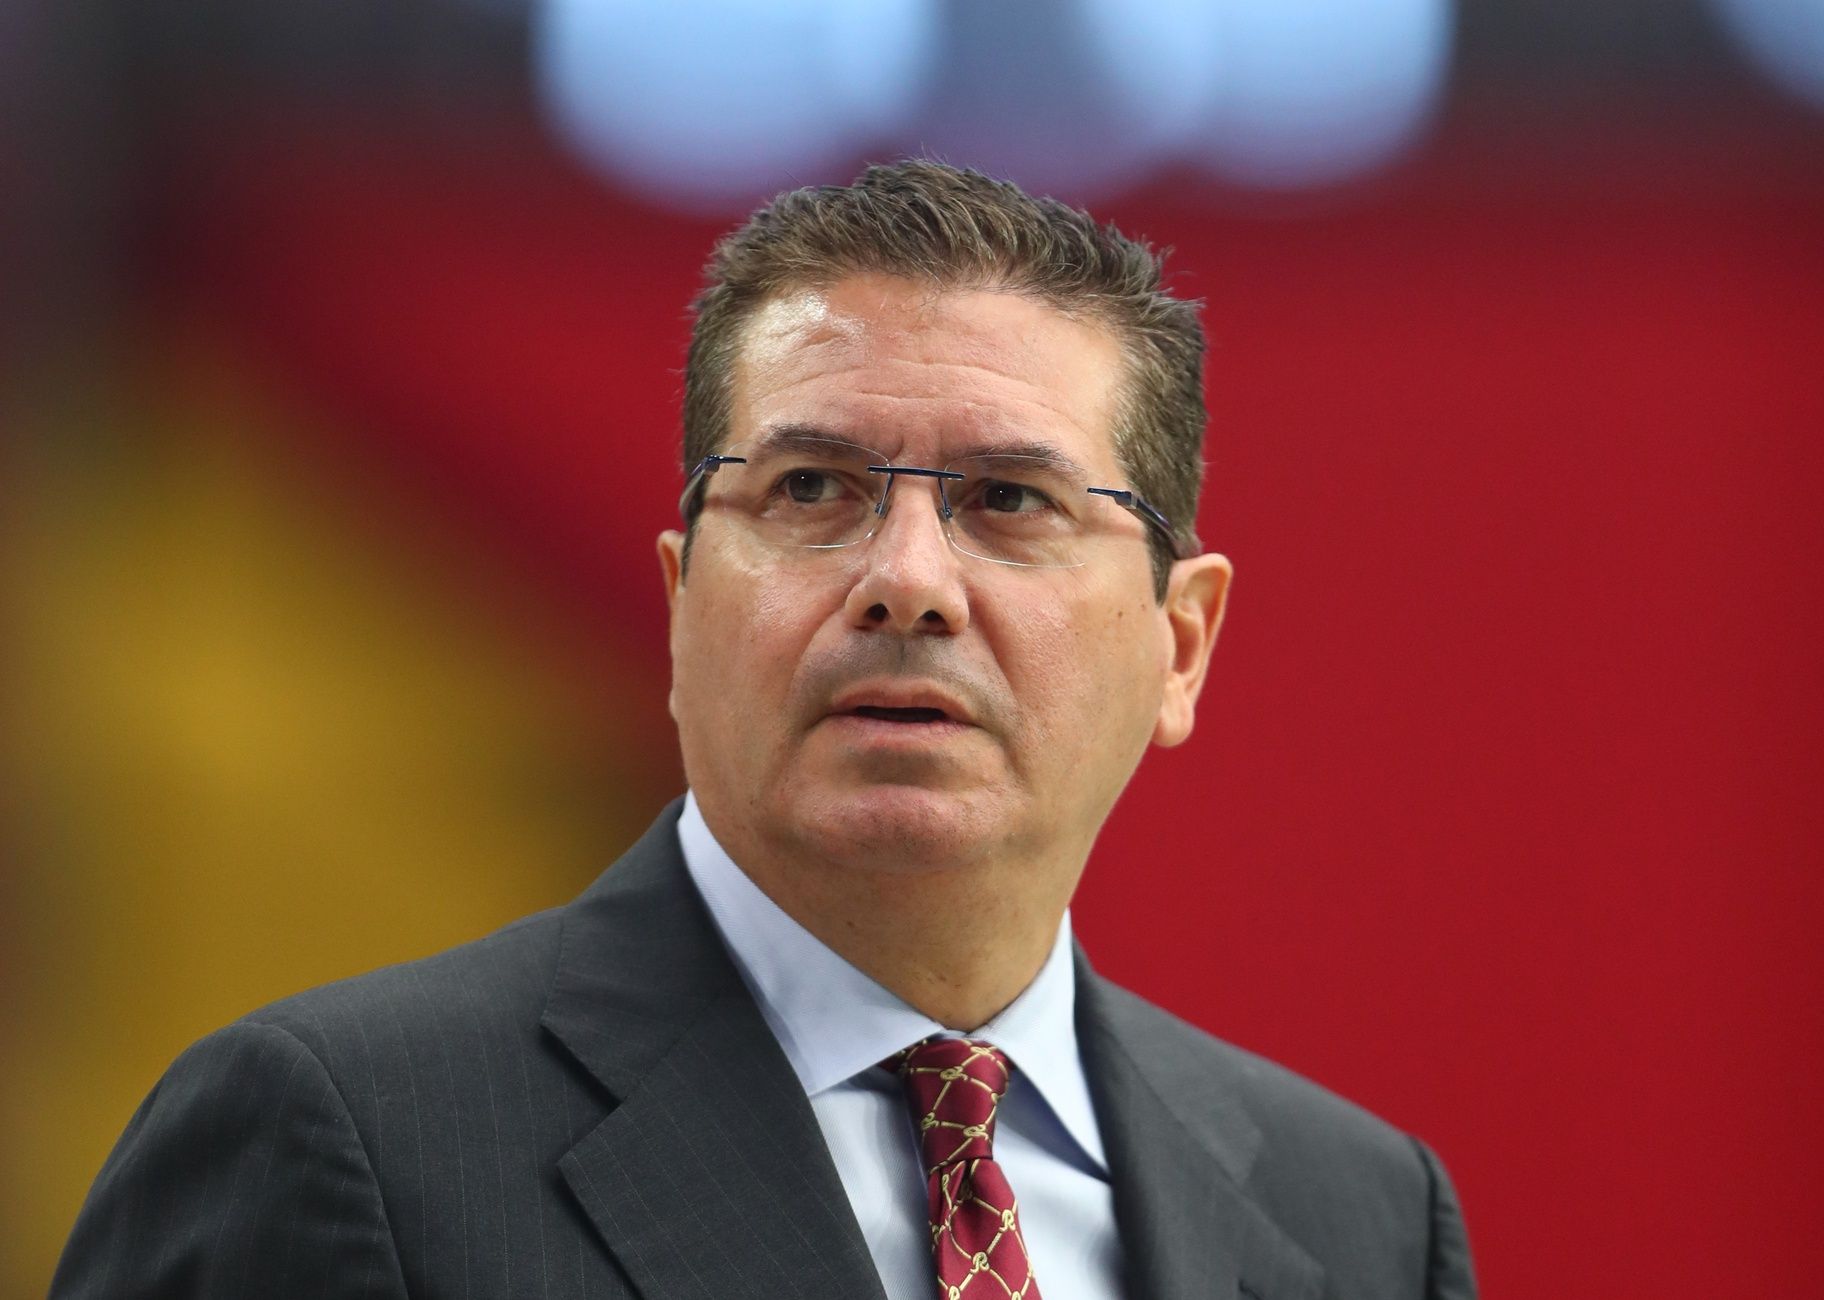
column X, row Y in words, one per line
column 588, row 1103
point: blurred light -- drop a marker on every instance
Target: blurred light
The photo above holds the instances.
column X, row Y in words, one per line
column 714, row 104
column 1784, row 39
column 1023, row 91
column 717, row 104
column 1308, row 92
column 1160, row 58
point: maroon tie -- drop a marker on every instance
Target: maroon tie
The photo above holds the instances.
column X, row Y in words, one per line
column 952, row 1088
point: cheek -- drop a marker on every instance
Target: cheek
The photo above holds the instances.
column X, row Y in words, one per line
column 742, row 635
column 1091, row 671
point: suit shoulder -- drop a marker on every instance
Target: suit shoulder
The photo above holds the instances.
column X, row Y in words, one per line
column 1357, row 1193
column 488, row 986
column 1295, row 1113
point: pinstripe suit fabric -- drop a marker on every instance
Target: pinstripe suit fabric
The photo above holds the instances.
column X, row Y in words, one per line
column 588, row 1103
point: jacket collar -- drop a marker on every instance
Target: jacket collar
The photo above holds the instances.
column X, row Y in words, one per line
column 710, row 1176
column 1180, row 1149
column 835, row 1021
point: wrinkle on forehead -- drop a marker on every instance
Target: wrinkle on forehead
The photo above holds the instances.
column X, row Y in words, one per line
column 798, row 435
column 880, row 422
column 878, row 352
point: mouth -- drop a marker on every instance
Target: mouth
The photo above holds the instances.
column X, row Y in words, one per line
column 908, row 716
column 898, row 727
column 886, row 708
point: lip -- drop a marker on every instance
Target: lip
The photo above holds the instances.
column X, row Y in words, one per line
column 901, row 695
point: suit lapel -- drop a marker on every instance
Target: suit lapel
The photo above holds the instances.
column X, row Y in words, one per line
column 1179, row 1153
column 710, row 1177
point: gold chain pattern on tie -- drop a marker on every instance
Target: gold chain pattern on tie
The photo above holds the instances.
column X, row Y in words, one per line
column 953, row 1090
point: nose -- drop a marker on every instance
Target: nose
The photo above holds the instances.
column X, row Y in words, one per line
column 911, row 578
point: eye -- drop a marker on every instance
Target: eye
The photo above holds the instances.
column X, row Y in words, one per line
column 809, row 486
column 1004, row 497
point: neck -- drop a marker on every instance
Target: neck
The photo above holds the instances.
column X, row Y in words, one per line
column 956, row 943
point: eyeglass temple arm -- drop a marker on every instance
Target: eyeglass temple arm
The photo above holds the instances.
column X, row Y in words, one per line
column 1149, row 514
column 705, row 467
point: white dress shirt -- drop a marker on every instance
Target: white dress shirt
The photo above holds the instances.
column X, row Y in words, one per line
column 836, row 1025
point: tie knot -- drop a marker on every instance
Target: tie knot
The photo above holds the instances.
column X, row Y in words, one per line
column 953, row 1086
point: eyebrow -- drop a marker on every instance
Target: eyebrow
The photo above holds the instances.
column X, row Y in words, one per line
column 1051, row 454
column 803, row 437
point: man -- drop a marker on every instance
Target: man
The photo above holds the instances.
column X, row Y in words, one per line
column 823, row 1031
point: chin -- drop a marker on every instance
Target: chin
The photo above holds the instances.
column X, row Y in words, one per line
column 902, row 827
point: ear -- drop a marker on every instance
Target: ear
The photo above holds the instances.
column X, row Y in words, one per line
column 671, row 564
column 1195, row 596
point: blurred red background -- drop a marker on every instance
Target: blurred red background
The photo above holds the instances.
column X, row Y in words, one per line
column 331, row 572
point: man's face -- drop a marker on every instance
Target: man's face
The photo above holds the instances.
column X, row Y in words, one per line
column 1051, row 681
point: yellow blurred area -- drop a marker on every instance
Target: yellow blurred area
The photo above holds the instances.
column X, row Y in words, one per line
column 265, row 731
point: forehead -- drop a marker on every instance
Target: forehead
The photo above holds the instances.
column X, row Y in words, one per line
column 922, row 374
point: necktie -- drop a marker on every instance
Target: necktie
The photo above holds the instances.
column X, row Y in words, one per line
column 953, row 1086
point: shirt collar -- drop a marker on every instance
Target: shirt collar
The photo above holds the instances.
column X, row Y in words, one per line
column 834, row 1021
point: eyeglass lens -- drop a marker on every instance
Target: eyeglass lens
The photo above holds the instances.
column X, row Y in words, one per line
column 1008, row 508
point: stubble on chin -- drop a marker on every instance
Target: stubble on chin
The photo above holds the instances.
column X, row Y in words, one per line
column 894, row 828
